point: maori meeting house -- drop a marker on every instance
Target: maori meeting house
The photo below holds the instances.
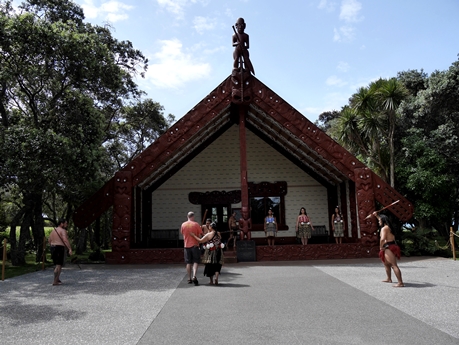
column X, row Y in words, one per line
column 242, row 148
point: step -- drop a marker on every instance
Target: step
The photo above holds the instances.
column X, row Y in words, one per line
column 230, row 257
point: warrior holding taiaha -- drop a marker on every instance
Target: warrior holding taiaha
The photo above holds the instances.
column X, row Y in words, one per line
column 241, row 47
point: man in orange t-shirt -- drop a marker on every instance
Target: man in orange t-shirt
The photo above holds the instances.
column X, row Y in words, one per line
column 191, row 252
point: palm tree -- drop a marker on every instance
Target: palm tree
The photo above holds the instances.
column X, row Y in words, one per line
column 367, row 125
column 390, row 95
column 360, row 134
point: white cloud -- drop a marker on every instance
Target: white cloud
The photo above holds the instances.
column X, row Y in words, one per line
column 201, row 24
column 329, row 6
column 177, row 7
column 207, row 51
column 172, row 67
column 336, row 100
column 343, row 66
column 335, row 81
column 229, row 13
column 173, row 6
column 344, row 34
column 331, row 101
column 112, row 11
column 350, row 11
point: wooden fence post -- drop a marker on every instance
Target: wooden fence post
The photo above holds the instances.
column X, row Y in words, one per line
column 43, row 256
column 4, row 259
column 451, row 238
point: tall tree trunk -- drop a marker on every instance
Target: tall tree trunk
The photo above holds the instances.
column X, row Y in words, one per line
column 82, row 240
column 92, row 245
column 97, row 232
column 13, row 242
column 24, row 237
column 38, row 228
column 391, row 148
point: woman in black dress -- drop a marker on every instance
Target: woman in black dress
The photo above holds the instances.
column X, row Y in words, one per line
column 213, row 256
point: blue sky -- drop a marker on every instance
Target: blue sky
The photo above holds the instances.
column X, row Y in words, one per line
column 312, row 53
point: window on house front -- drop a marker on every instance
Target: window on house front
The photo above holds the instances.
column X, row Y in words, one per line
column 264, row 195
column 261, row 205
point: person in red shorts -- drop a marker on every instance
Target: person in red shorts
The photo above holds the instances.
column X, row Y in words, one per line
column 191, row 252
column 389, row 251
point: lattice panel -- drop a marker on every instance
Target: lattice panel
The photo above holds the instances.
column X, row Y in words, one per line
column 316, row 252
column 161, row 151
column 297, row 124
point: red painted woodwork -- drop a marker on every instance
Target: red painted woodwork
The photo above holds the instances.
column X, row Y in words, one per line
column 121, row 231
column 261, row 107
column 294, row 252
column 303, row 129
column 316, row 252
column 158, row 154
column 243, row 162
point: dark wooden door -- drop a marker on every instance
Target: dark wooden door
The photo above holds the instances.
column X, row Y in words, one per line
column 218, row 214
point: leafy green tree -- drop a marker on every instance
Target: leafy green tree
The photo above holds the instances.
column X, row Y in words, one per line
column 390, row 95
column 428, row 162
column 426, row 179
column 137, row 126
column 326, row 120
column 367, row 125
column 358, row 132
column 413, row 80
column 64, row 85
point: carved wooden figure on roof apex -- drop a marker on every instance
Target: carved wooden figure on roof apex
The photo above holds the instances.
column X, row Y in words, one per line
column 242, row 67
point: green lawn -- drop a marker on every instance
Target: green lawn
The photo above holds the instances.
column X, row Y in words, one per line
column 32, row 266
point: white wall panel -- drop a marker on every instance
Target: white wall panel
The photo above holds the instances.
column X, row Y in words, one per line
column 217, row 168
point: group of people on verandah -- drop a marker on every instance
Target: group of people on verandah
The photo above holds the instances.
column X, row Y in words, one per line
column 304, row 226
column 213, row 257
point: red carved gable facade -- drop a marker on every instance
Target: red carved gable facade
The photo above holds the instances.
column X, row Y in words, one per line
column 271, row 118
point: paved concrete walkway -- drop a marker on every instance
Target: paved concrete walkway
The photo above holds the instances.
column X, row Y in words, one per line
column 307, row 302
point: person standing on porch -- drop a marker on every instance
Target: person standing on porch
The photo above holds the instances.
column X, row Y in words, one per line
column 270, row 227
column 304, row 226
column 206, row 227
column 192, row 253
column 337, row 222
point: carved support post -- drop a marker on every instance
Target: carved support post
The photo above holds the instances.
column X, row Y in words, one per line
column 122, row 207
column 366, row 204
column 243, row 159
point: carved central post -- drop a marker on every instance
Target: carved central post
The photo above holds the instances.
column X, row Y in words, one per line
column 245, row 223
column 243, row 162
